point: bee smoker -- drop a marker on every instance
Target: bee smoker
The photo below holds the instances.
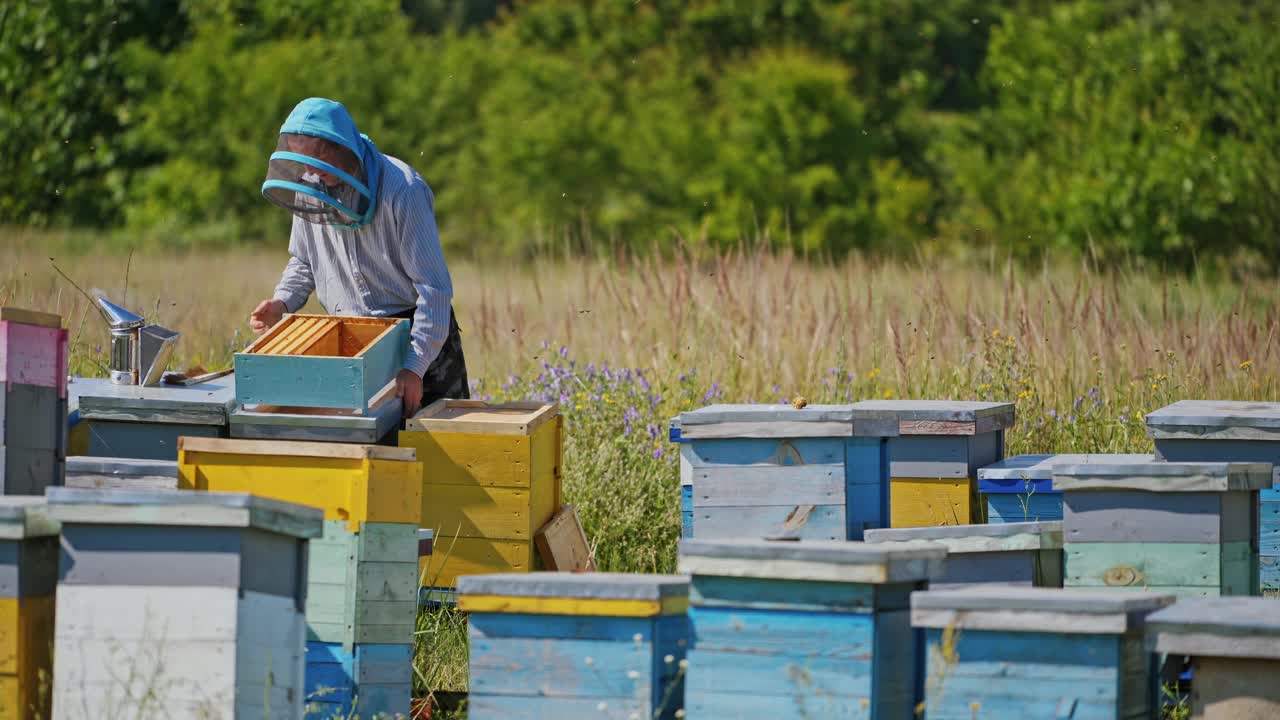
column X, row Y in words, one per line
column 139, row 352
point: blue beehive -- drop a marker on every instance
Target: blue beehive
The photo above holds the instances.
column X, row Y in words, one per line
column 1006, row 652
column 547, row 645
column 775, row 470
column 1020, row 488
column 807, row 629
column 1229, row 431
column 1025, row 553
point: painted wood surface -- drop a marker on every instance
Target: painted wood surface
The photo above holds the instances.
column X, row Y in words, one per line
column 27, row 471
column 1160, row 565
column 1164, row 476
column 207, row 403
column 143, row 440
column 822, row 522
column 1234, row 689
column 929, row 456
column 452, row 557
column 25, row 316
column 750, row 486
column 26, row 642
column 797, row 595
column 1208, row 450
column 918, row 502
column 33, row 355
column 30, row 416
column 1022, row 473
column 562, row 543
column 370, row 679
column 479, row 511
column 1130, row 516
column 317, row 427
column 686, row 511
column 817, row 560
column 1024, row 508
column 483, row 418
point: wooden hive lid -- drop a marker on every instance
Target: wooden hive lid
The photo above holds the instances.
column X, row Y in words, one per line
column 889, row 418
column 1246, row 627
column 488, row 418
column 208, row 403
column 1164, row 476
column 812, row 560
column 1036, row 471
column 1216, row 420
column 577, row 594
column 183, row 508
column 296, row 448
column 121, row 467
column 766, row 421
column 26, row 516
column 23, row 316
column 1029, row 609
column 1041, row 535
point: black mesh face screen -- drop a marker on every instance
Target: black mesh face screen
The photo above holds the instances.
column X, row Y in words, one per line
column 317, row 180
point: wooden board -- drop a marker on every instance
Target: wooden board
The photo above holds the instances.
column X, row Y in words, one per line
column 1007, row 508
column 205, row 404
column 916, row 502
column 815, row 560
column 33, row 355
column 749, row 486
column 1154, row 565
column 562, row 544
column 29, row 317
column 809, row 522
column 25, row 471
column 1130, row 516
column 472, row 459
column 143, row 440
column 31, row 417
column 479, row 417
column 452, row 557
column 1235, row 689
column 929, row 456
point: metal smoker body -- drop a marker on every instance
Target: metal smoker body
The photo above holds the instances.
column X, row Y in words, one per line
column 139, row 352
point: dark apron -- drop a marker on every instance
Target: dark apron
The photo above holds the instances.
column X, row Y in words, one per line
column 447, row 375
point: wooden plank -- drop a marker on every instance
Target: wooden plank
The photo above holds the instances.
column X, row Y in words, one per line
column 815, row 560
column 744, row 706
column 471, row 459
column 32, row 355
column 148, row 507
column 30, row 317
column 300, row 380
column 532, row 707
column 562, row 544
column 583, row 586
column 452, row 557
column 929, row 457
column 299, row 449
column 1240, row 627
column 30, row 417
column 897, row 666
column 794, row 595
column 205, row 404
column 778, row 429
column 1235, row 689
column 842, row 636
column 477, row 511
column 754, row 486
column 916, row 502
column 480, row 417
column 587, row 627
column 802, row 678
column 1166, row 476
column 571, row 606
column 822, row 522
column 739, row 452
column 1223, row 413
column 387, row 542
column 25, row 471
column 1131, row 516
column 1144, row 564
column 143, row 440
column 561, row 668
column 1024, row 508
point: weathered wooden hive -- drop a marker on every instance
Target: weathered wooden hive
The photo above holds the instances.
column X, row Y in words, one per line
column 804, row 628
column 1007, row 652
column 1025, row 553
column 145, row 422
column 33, row 401
column 1190, row 529
column 575, row 645
column 28, row 579
column 1020, row 488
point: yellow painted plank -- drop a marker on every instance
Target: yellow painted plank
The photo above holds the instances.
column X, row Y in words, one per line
column 477, row 511
column 472, row 556
column 471, row 459
column 572, row 606
column 10, row 700
column 78, row 439
column 26, row 650
column 546, row 448
column 8, row 636
column 926, row 502
column 345, row 489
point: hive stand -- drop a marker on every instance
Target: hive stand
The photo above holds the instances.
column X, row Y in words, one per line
column 28, row 578
column 192, row 600
column 935, row 448
column 274, row 422
column 546, row 646
column 1005, row 652
column 1026, row 553
column 1228, row 431
column 803, row 629
column 758, row 471
column 145, row 422
column 33, row 401
column 1234, row 645
column 1020, row 488
column 492, row 479
column 1189, row 529
column 122, row 473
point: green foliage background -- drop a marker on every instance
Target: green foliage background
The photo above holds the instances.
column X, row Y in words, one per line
column 1119, row 128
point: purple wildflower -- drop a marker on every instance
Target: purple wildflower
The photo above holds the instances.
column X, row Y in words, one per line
column 657, row 452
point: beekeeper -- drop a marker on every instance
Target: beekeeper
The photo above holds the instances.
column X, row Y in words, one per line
column 364, row 240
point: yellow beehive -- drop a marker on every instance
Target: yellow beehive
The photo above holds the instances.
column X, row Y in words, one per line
column 491, row 480
column 29, row 559
column 355, row 483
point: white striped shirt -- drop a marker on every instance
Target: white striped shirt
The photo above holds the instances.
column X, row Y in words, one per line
column 390, row 265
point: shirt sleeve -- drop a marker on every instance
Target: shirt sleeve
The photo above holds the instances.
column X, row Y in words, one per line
column 423, row 261
column 298, row 282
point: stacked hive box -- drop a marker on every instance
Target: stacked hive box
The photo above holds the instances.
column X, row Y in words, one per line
column 318, row 424
column 179, row 604
column 145, row 422
column 935, row 448
column 1002, row 652
column 123, row 473
column 1027, row 553
column 1183, row 528
column 33, row 401
column 774, row 470
column 28, row 577
column 1234, row 645
column 571, row 645
column 1218, row 431
column 1020, row 488
column 361, row 605
column 492, row 480
column 808, row 629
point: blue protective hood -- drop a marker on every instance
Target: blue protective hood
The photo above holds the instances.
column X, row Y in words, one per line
column 327, row 119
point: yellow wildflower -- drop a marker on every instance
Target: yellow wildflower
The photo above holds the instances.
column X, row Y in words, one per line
column 888, row 393
column 1246, row 364
column 995, row 333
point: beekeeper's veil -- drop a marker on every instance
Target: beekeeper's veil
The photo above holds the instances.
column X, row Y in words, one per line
column 323, row 170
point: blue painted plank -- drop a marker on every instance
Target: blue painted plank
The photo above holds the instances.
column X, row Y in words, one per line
column 897, row 675
column 770, row 632
column 145, row 441
column 795, row 595
column 1269, row 572
column 866, row 485
column 744, row 706
column 518, row 707
column 301, row 381
column 515, row 625
column 1017, row 486
column 825, row 522
column 866, row 508
column 561, row 668
column 766, row 451
column 712, row 671
column 1024, row 508
column 1269, row 496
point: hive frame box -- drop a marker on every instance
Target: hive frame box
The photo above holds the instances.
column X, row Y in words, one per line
column 1184, row 528
column 1006, row 652
column 568, row 645
column 773, row 470
column 935, row 448
column 28, row 578
column 803, row 629
column 1027, row 553
column 1238, row 431
column 1234, row 644
column 135, row 421
column 1020, row 488
column 199, row 595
